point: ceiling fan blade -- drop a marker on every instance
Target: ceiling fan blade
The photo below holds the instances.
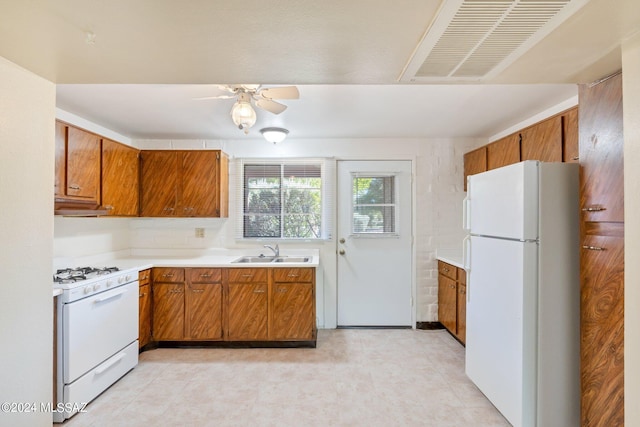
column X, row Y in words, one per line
column 216, row 97
column 270, row 106
column 284, row 92
column 227, row 88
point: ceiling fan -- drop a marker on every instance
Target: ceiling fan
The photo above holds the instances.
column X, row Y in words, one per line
column 242, row 112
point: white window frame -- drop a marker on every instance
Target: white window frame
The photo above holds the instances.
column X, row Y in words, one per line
column 327, row 192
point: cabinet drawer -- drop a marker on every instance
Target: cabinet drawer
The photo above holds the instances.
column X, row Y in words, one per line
column 168, row 275
column 247, row 275
column 293, row 274
column 204, row 275
column 144, row 277
column 447, row 269
column 462, row 276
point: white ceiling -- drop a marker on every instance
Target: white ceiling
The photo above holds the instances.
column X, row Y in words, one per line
column 150, row 58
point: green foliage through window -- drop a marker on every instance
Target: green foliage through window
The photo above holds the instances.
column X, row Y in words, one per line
column 282, row 201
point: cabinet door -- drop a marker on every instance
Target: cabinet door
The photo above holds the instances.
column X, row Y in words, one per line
column 447, row 302
column 601, row 151
column 462, row 312
column 503, row 152
column 119, row 178
column 543, row 141
column 200, row 186
column 59, row 184
column 168, row 311
column 159, row 183
column 204, row 308
column 292, row 311
column 570, row 136
column 144, row 315
column 83, row 165
column 474, row 162
column 602, row 330
column 247, row 311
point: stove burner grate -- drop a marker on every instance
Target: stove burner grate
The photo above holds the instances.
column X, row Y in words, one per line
column 71, row 275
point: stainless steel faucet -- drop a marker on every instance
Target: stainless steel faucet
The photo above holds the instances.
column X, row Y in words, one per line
column 275, row 250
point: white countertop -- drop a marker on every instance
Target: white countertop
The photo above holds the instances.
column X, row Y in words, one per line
column 218, row 260
column 451, row 257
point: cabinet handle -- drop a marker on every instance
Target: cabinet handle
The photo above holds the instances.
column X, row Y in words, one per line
column 74, row 187
column 142, row 294
column 197, row 291
column 188, row 209
column 259, row 291
column 168, row 275
column 247, row 275
column 175, row 291
column 452, row 286
column 169, row 209
column 108, row 207
column 463, row 291
column 205, row 275
column 592, row 248
column 575, row 158
column 293, row 275
column 594, row 209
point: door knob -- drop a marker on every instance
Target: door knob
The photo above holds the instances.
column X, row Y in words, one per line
column 341, row 251
column 342, row 240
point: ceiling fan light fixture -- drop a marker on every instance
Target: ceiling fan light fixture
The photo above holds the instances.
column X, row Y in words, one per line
column 243, row 114
column 274, row 135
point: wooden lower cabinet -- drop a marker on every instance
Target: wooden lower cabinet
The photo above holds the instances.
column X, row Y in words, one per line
column 204, row 304
column 452, row 307
column 144, row 308
column 248, row 312
column 293, row 304
column 602, row 329
column 234, row 304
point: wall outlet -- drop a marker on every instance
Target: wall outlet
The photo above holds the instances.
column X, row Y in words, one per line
column 200, row 232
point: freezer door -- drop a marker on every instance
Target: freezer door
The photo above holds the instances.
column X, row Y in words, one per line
column 504, row 202
column 501, row 325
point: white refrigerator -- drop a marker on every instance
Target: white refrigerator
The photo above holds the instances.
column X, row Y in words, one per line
column 523, row 291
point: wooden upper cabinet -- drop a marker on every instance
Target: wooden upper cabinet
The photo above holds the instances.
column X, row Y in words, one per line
column 184, row 183
column 59, row 184
column 159, row 183
column 601, row 151
column 570, row 136
column 77, row 162
column 120, row 179
column 474, row 162
column 200, row 186
column 503, row 152
column 542, row 141
column 83, row 164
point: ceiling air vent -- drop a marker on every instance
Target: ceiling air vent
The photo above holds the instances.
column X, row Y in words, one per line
column 473, row 40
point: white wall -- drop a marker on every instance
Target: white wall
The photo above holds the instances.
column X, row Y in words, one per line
column 631, row 100
column 27, row 113
column 438, row 201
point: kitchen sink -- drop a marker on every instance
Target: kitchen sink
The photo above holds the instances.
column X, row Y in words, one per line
column 253, row 259
column 264, row 259
column 293, row 259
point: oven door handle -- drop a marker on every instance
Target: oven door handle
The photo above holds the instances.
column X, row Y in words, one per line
column 99, row 300
column 110, row 364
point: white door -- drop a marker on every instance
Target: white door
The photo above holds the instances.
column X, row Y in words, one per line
column 374, row 243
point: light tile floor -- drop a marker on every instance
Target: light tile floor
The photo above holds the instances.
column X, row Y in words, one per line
column 355, row 377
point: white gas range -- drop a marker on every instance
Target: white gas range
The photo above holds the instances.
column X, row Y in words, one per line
column 97, row 340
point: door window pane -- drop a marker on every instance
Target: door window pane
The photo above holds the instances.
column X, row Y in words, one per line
column 374, row 205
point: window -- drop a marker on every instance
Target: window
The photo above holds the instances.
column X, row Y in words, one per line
column 374, row 205
column 283, row 200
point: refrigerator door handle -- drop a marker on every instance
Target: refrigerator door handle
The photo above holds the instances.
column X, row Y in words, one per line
column 466, row 219
column 466, row 262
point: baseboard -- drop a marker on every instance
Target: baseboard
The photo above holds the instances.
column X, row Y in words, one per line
column 429, row 326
